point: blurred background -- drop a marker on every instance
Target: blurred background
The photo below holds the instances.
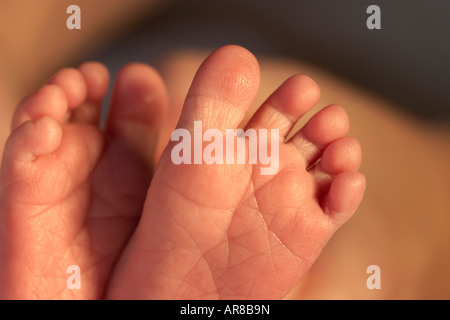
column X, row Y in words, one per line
column 406, row 61
column 410, row 52
column 394, row 82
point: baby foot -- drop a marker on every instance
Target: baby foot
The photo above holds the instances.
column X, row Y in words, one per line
column 225, row 231
column 72, row 194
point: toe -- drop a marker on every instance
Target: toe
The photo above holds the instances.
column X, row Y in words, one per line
column 96, row 77
column 286, row 105
column 71, row 81
column 138, row 108
column 341, row 155
column 329, row 124
column 49, row 101
column 32, row 139
column 345, row 195
column 222, row 90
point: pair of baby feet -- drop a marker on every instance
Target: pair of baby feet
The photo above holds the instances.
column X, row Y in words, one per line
column 73, row 194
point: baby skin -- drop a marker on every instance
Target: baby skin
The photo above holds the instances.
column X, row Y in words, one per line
column 73, row 194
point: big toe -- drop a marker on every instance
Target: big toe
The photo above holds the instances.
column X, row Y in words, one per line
column 222, row 90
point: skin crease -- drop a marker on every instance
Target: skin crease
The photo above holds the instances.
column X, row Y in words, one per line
column 390, row 216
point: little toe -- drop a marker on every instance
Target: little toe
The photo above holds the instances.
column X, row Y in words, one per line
column 222, row 90
column 96, row 77
column 49, row 101
column 138, row 108
column 327, row 125
column 72, row 82
column 286, row 105
column 344, row 196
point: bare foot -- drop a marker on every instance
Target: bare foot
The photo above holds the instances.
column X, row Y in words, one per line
column 72, row 194
column 211, row 231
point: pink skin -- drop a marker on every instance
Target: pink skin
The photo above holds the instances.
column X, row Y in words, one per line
column 71, row 194
column 225, row 231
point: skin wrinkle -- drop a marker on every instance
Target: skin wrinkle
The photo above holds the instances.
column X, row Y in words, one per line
column 224, row 286
column 41, row 271
column 281, row 242
column 202, row 256
column 173, row 189
column 21, row 168
column 2, row 197
column 242, row 261
column 180, row 225
column 204, row 253
column 256, row 202
column 276, row 116
column 269, row 246
column 115, row 253
column 250, row 168
column 215, row 277
column 306, row 144
column 75, row 236
column 11, row 185
column 214, row 105
column 265, row 223
column 54, row 204
column 251, row 286
column 183, row 281
column 211, row 273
